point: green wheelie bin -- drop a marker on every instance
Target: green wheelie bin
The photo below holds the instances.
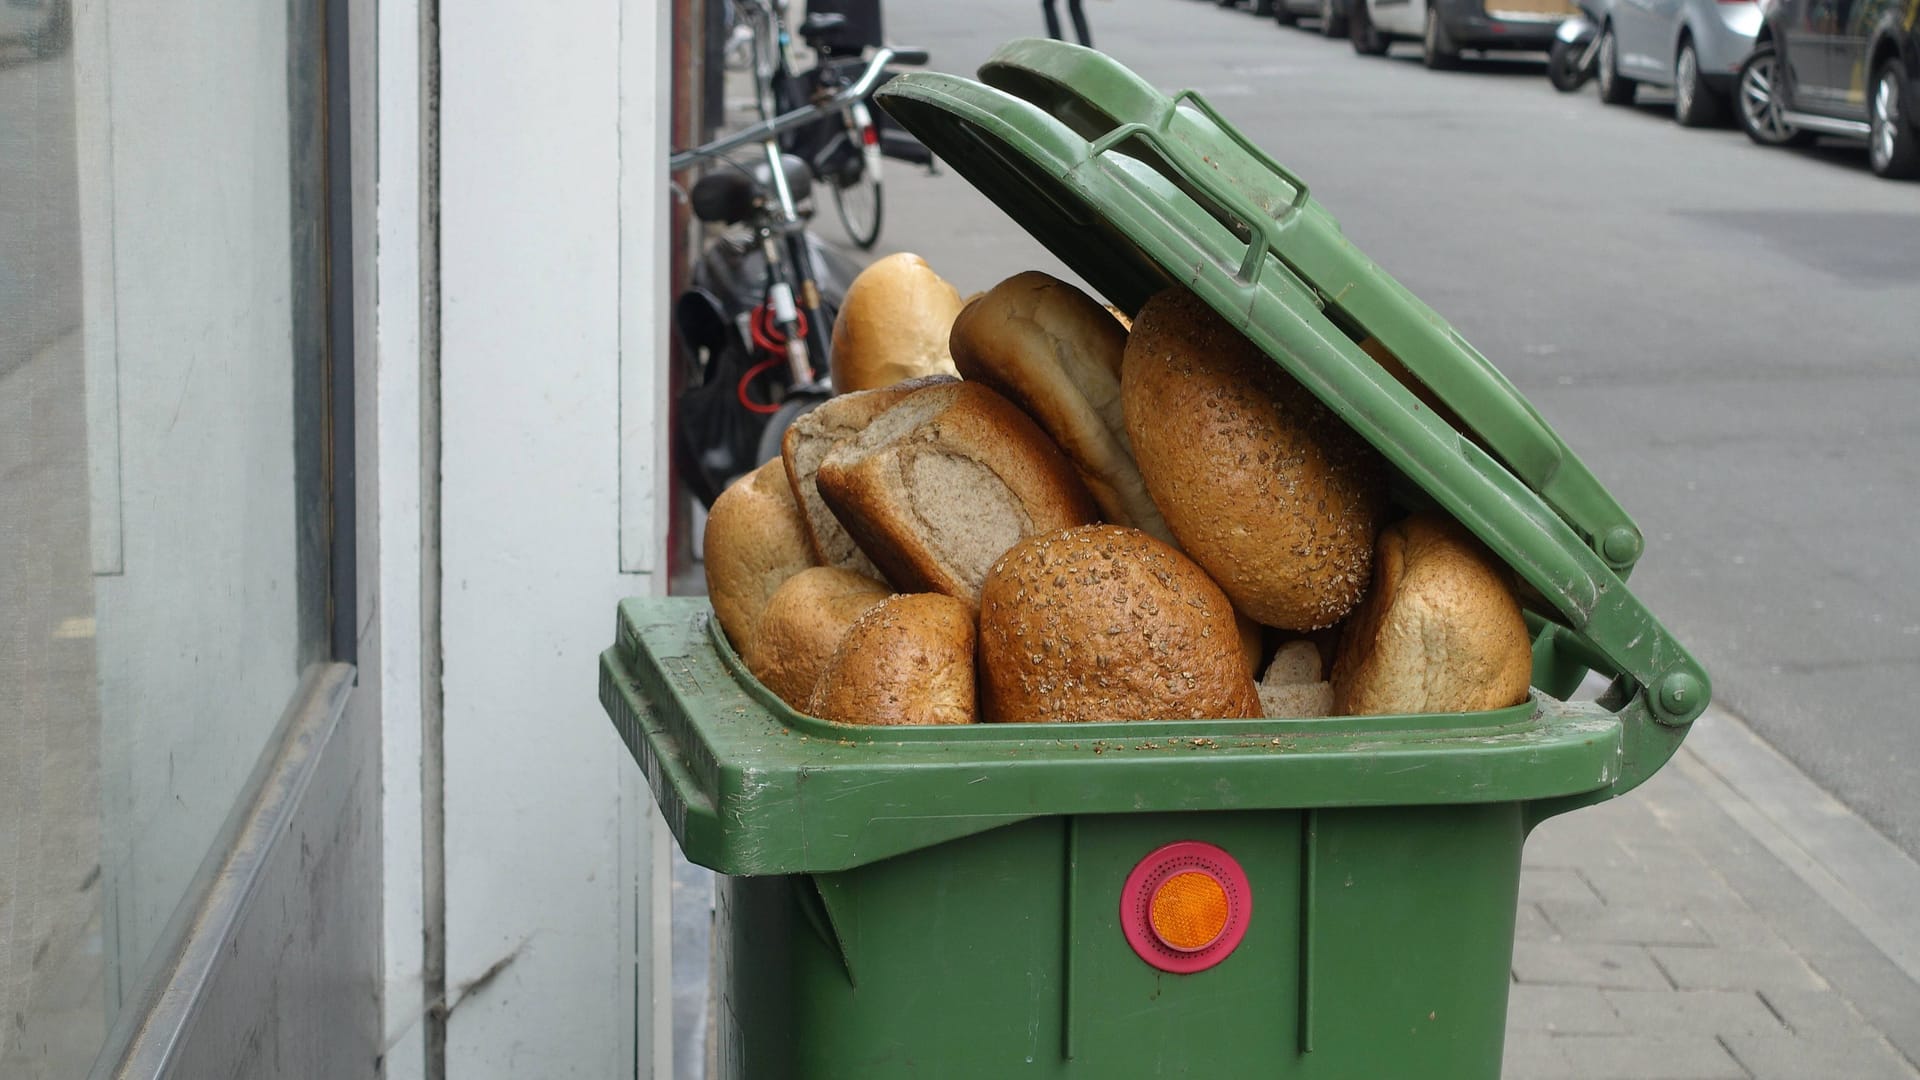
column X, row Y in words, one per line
column 1330, row 898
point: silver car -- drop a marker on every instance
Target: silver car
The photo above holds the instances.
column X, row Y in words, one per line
column 1695, row 47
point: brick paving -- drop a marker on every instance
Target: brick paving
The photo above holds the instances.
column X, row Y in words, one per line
column 1658, row 941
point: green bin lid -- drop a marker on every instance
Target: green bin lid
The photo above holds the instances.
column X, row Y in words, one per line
column 1136, row 191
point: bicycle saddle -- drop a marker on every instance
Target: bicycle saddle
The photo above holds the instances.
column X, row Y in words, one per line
column 724, row 197
column 799, row 176
column 728, row 197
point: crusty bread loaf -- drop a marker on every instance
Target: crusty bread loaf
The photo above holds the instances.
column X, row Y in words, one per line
column 1050, row 349
column 1103, row 622
column 893, row 325
column 908, row 660
column 802, row 626
column 942, row 484
column 1253, row 643
column 807, row 441
column 755, row 541
column 1293, row 688
column 1261, row 483
column 1440, row 631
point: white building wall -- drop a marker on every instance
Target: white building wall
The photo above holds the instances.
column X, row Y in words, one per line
column 394, row 424
column 549, row 834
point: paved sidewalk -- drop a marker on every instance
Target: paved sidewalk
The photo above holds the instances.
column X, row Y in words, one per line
column 1660, row 939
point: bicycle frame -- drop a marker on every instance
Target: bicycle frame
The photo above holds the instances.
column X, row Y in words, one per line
column 787, row 301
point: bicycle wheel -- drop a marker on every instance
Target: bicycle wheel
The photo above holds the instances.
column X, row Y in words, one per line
column 858, row 202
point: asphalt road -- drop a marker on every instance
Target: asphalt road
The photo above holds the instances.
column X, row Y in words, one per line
column 1730, row 336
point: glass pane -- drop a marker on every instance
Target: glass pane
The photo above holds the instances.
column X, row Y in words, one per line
column 163, row 514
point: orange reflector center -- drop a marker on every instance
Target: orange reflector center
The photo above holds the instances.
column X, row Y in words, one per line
column 1189, row 911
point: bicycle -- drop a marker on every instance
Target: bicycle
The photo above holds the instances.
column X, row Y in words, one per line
column 760, row 314
column 844, row 151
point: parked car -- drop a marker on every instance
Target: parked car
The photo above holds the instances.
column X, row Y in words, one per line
column 1694, row 47
column 1331, row 13
column 1445, row 28
column 1837, row 67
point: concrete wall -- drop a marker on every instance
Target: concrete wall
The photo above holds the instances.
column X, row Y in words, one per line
column 551, row 137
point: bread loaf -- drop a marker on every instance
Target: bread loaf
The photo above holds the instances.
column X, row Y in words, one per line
column 1261, row 484
column 755, row 541
column 1050, row 349
column 1292, row 687
column 1440, row 631
column 807, row 441
column 1103, row 622
column 908, row 660
column 893, row 325
column 802, row 626
column 942, row 484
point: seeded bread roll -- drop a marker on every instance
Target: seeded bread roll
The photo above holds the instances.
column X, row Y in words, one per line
column 1440, row 631
column 1050, row 349
column 908, row 660
column 942, row 484
column 893, row 325
column 755, row 541
column 1103, row 622
column 1262, row 485
column 807, row 442
column 802, row 626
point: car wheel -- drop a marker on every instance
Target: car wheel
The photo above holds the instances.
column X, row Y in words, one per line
column 1615, row 88
column 1892, row 147
column 1694, row 102
column 1263, row 8
column 1366, row 40
column 1757, row 102
column 1563, row 66
column 1333, row 18
column 1437, row 50
column 1284, row 14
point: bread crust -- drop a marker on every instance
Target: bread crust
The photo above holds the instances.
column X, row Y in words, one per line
column 1261, row 484
column 1103, row 622
column 755, row 541
column 908, row 660
column 1439, row 632
column 936, row 488
column 810, row 438
column 802, row 626
column 893, row 325
column 1052, row 350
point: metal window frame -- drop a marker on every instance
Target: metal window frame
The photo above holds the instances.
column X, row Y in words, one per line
column 153, row 1026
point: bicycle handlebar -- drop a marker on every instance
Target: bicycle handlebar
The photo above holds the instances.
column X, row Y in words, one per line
column 770, row 129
